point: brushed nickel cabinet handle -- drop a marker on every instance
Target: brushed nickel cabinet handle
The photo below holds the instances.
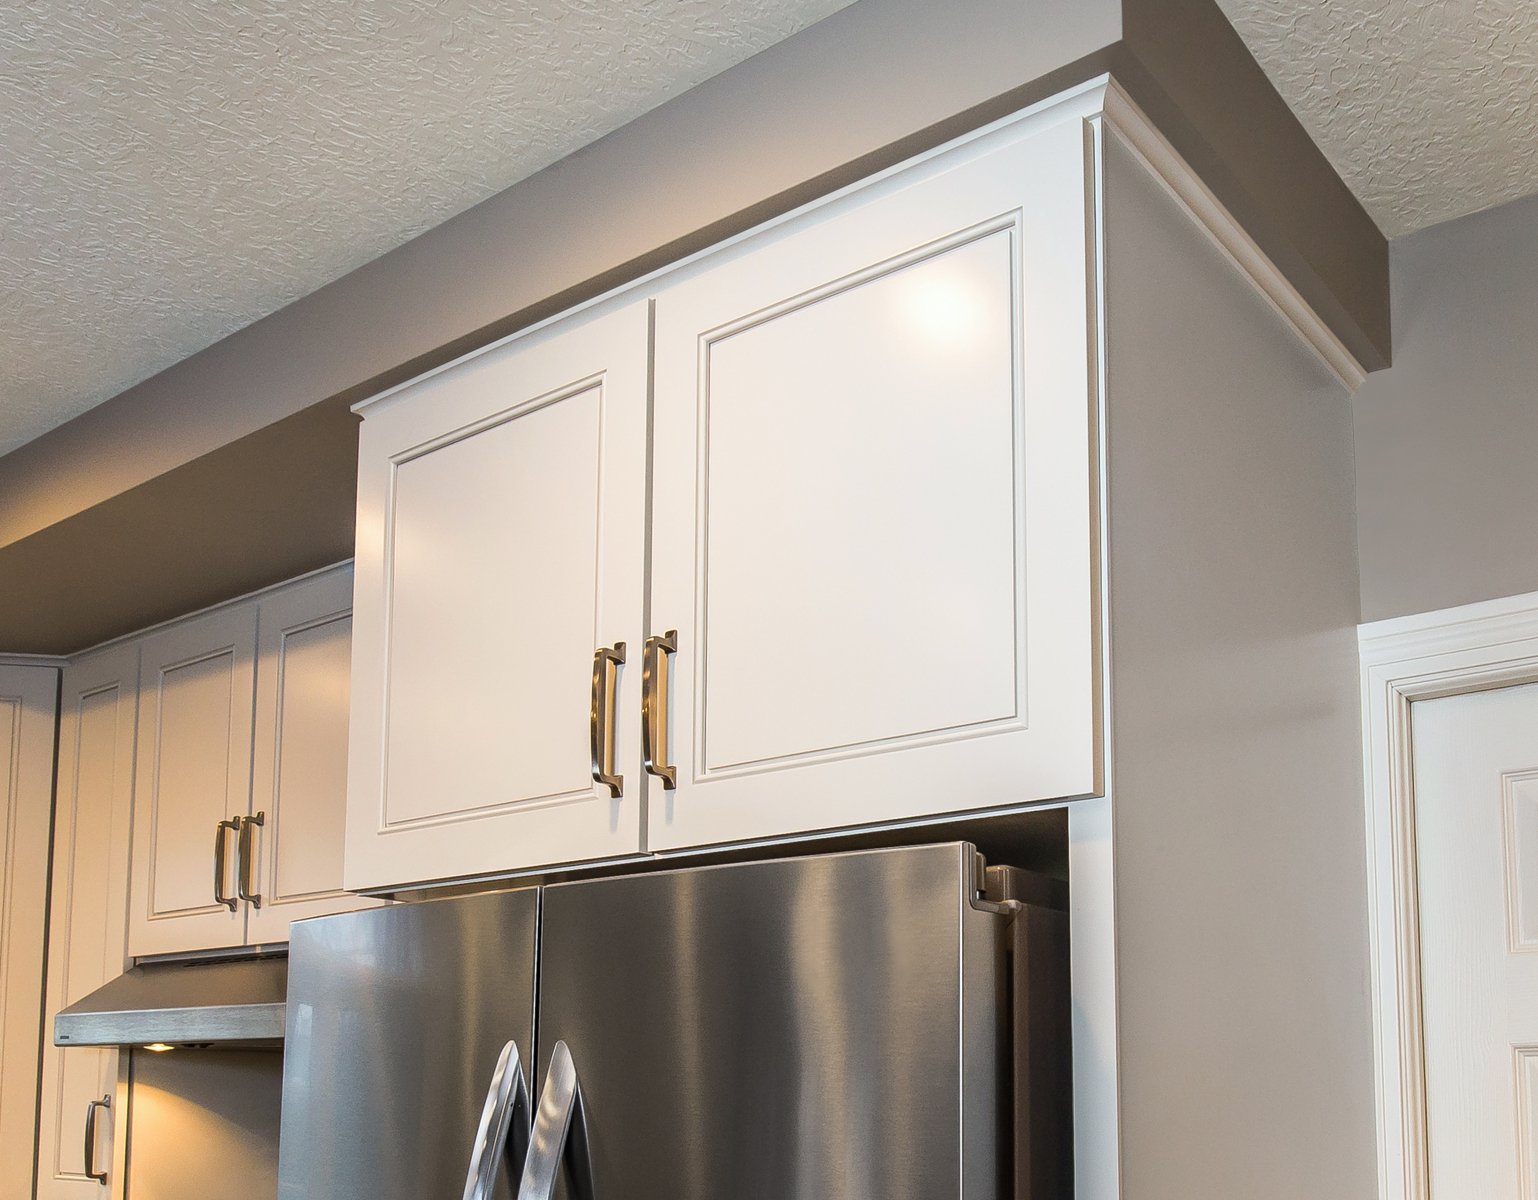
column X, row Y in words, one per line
column 243, row 858
column 220, row 865
column 601, row 718
column 654, row 706
column 91, row 1111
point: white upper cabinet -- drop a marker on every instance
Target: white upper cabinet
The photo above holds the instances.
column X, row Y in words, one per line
column 240, row 798
column 194, row 782
column 294, row 834
column 869, row 573
column 500, row 555
column 872, row 509
column 87, row 916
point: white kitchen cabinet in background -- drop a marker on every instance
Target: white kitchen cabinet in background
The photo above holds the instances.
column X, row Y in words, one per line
column 299, row 771
column 28, row 707
column 193, row 782
column 241, row 782
column 87, row 916
column 501, row 544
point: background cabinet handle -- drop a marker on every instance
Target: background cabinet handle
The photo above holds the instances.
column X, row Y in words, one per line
column 654, row 706
column 601, row 720
column 220, row 864
column 243, row 870
column 91, row 1111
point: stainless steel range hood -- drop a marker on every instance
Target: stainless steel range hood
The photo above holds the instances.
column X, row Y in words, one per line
column 239, row 1002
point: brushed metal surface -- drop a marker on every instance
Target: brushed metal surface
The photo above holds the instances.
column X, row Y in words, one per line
column 823, row 1028
column 396, row 1020
column 231, row 1001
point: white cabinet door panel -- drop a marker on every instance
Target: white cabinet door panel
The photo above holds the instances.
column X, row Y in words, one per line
column 501, row 542
column 299, row 776
column 28, row 707
column 874, row 441
column 88, row 913
column 194, row 770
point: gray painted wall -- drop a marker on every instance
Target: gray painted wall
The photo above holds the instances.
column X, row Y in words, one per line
column 1245, row 1029
column 1447, row 438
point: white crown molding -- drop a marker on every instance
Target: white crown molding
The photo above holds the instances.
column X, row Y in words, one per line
column 1450, row 652
column 1165, row 163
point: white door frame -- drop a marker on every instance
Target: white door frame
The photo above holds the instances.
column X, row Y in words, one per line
column 1447, row 653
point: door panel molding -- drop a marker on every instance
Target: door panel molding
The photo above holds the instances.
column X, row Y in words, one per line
column 1450, row 652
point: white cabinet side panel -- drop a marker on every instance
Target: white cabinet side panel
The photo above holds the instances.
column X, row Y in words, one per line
column 1245, row 1036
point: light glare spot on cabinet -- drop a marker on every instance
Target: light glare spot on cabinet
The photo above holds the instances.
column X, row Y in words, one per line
column 944, row 308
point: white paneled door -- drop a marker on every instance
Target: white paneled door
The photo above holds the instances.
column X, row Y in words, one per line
column 872, row 532
column 87, row 916
column 501, row 548
column 193, row 781
column 1476, row 836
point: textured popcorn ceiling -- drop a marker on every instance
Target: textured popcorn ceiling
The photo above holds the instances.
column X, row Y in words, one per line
column 171, row 170
column 1427, row 108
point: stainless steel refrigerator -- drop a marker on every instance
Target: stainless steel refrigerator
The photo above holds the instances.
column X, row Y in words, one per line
column 880, row 1025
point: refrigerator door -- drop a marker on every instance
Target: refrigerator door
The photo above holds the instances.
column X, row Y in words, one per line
column 824, row 1028
column 393, row 1067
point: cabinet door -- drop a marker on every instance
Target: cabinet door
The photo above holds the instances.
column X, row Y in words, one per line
column 874, row 437
column 299, row 772
column 28, row 705
column 193, row 771
column 88, row 913
column 500, row 545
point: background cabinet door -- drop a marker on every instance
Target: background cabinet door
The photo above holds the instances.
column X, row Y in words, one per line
column 88, row 913
column 299, row 774
column 28, row 705
column 193, row 771
column 872, row 497
column 501, row 510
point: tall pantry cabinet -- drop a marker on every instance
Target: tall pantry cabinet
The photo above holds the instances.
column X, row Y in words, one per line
column 28, row 700
column 78, row 1121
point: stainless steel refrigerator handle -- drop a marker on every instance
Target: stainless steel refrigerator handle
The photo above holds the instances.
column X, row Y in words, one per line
column 560, row 1132
column 601, row 718
column 505, row 1122
column 243, row 859
column 91, row 1109
column 654, row 706
column 219, row 862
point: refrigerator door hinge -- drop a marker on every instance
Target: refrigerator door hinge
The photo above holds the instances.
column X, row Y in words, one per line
column 1008, row 889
